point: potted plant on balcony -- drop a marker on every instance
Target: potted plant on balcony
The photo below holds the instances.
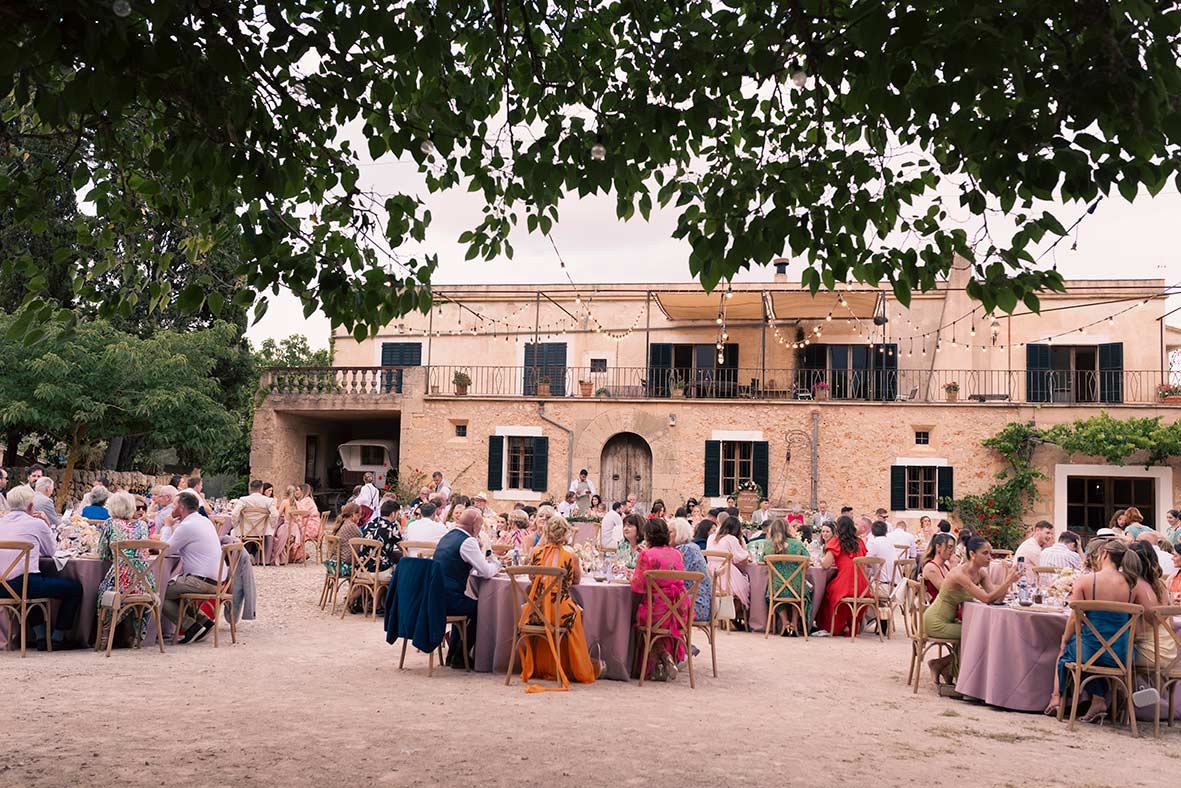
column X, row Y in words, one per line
column 461, row 380
column 1169, row 393
column 676, row 386
column 584, row 388
column 952, row 390
column 543, row 386
column 820, row 390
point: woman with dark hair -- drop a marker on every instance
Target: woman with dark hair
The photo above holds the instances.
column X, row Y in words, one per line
column 701, row 533
column 839, row 552
column 1117, row 522
column 728, row 539
column 657, row 510
column 1173, row 524
column 936, row 563
column 268, row 489
column 629, row 547
column 967, row 534
column 967, row 581
column 597, row 508
column 662, row 663
column 1153, row 578
column 1119, row 579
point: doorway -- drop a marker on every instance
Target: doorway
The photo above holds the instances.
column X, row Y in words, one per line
column 626, row 469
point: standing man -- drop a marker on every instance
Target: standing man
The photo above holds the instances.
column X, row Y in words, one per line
column 3, row 486
column 43, row 501
column 195, row 540
column 442, row 486
column 458, row 555
column 821, row 516
column 368, row 499
column 612, row 530
column 583, row 488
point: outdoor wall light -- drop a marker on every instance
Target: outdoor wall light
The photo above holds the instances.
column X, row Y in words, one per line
column 672, row 419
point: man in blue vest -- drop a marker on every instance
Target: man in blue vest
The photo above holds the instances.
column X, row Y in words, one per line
column 459, row 555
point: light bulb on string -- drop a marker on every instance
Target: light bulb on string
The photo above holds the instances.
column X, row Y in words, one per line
column 598, row 151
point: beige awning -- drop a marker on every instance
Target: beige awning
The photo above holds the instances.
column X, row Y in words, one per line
column 802, row 305
column 705, row 306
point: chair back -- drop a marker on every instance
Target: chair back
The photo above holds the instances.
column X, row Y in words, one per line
column 1040, row 572
column 720, row 570
column 230, row 555
column 903, row 551
column 1001, row 555
column 1167, row 614
column 366, row 555
column 903, row 568
column 96, row 522
column 544, row 581
column 1107, row 645
column 787, row 570
column 332, row 551
column 254, row 521
column 915, row 606
column 420, row 549
column 130, row 580
column 867, row 574
column 674, row 612
column 23, row 551
column 298, row 517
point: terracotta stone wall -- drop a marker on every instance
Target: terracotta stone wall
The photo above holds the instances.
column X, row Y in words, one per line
column 83, row 480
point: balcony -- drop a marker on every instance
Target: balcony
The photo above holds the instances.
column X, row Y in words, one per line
column 1139, row 387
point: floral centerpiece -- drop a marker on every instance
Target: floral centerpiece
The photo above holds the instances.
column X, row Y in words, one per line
column 1063, row 583
column 77, row 536
column 590, row 558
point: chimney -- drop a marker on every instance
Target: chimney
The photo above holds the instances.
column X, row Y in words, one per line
column 780, row 269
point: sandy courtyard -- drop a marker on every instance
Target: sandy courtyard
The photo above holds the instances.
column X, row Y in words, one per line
column 305, row 698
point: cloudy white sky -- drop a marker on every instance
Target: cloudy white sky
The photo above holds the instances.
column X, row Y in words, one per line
column 1120, row 240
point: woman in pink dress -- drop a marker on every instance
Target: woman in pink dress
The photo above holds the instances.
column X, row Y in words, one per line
column 662, row 662
column 304, row 502
column 728, row 538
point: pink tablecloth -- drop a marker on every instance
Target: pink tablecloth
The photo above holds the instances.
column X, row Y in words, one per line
column 757, row 573
column 1008, row 656
column 607, row 616
column 585, row 532
column 223, row 522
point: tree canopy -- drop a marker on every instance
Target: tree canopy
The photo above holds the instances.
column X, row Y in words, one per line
column 853, row 135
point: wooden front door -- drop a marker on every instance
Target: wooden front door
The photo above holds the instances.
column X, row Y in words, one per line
column 626, row 469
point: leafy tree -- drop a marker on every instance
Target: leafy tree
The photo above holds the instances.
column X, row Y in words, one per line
column 103, row 383
column 846, row 133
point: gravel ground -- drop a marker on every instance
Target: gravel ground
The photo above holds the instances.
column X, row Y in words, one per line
column 306, row 698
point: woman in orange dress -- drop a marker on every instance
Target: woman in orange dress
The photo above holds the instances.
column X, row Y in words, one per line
column 537, row 658
column 840, row 552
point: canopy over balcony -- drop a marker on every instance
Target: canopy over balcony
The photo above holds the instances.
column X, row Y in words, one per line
column 776, row 304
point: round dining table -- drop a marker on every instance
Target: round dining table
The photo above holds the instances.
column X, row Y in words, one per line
column 1008, row 656
column 608, row 610
column 757, row 574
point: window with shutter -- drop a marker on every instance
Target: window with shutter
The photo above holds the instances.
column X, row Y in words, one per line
column 944, row 488
column 540, row 465
column 713, row 468
column 1111, row 372
column 398, row 354
column 1038, row 375
column 495, row 462
column 542, row 361
column 761, row 466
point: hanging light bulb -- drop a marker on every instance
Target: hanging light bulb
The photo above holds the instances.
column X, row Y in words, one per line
column 725, row 336
column 598, row 150
column 122, row 8
column 829, row 318
column 719, row 320
column 798, row 77
column 427, row 147
column 1111, row 320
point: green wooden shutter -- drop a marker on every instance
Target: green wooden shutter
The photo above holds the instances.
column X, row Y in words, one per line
column 898, row 488
column 495, row 462
column 760, row 466
column 944, row 489
column 1037, row 373
column 1111, row 372
column 540, row 464
column 713, row 468
column 660, row 363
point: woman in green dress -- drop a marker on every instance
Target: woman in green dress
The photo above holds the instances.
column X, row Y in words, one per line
column 784, row 540
column 967, row 581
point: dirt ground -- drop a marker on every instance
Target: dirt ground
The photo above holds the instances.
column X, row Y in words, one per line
column 305, row 698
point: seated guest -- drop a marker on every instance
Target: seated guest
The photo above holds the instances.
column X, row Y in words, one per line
column 1173, row 526
column 346, row 528
column 899, row 535
column 1031, row 549
column 1064, row 554
column 124, row 525
column 19, row 525
column 967, row 534
column 256, row 499
column 195, row 484
column 680, row 536
column 657, row 510
column 536, row 657
column 761, row 514
column 882, row 546
column 458, row 556
column 662, row 663
column 944, row 527
column 967, row 581
column 568, row 507
column 160, row 509
column 936, row 563
column 783, row 540
column 598, row 507
column 97, row 508
column 306, row 502
column 268, row 490
column 629, row 547
column 1134, row 523
column 427, row 528
column 704, row 528
column 1118, row 580
column 385, row 530
column 729, row 539
column 927, row 529
column 822, row 537
column 839, row 552
column 1164, row 560
column 194, row 539
column 1147, row 656
column 43, row 502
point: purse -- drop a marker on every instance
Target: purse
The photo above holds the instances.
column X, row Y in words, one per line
column 726, row 610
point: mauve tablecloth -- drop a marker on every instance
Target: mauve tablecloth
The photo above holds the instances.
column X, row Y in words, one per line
column 1008, row 657
column 607, row 617
column 585, row 532
column 224, row 523
column 757, row 574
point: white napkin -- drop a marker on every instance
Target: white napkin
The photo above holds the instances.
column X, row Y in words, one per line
column 61, row 557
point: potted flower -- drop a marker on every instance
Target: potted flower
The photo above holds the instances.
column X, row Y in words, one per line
column 584, row 388
column 543, row 386
column 461, row 380
column 952, row 390
column 1169, row 393
column 820, row 390
column 676, row 386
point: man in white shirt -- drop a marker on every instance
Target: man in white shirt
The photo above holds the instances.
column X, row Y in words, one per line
column 1167, row 567
column 583, row 488
column 425, row 529
column 881, row 514
column 368, row 499
column 1031, row 549
column 160, row 512
column 257, row 500
column 1064, row 554
column 3, row 485
column 612, row 530
column 194, row 539
column 459, row 557
column 864, row 528
column 822, row 516
column 881, row 546
column 43, row 501
column 900, row 536
column 761, row 515
column 442, row 486
column 480, row 504
column 568, row 508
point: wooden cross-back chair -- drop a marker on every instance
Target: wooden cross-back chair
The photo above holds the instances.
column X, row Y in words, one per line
column 252, row 529
column 318, row 541
column 297, row 523
column 708, row 628
column 223, row 596
column 786, row 577
column 903, row 551
column 1001, row 555
column 17, row 603
column 1165, row 678
column 1040, row 573
column 449, row 621
column 675, row 616
column 332, row 576
column 1080, row 672
column 720, row 573
column 140, row 592
column 902, row 570
column 867, row 594
column 920, row 642
column 363, row 576
column 543, row 581
column 421, row 549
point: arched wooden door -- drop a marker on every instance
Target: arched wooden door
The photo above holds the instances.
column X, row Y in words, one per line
column 626, row 469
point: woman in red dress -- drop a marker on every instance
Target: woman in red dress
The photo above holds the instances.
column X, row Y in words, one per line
column 840, row 552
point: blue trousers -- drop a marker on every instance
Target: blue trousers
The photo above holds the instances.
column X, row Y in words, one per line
column 67, row 592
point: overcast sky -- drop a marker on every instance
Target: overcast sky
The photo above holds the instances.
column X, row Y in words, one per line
column 1120, row 240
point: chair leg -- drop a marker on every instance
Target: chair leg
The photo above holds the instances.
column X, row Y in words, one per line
column 647, row 652
column 1074, row 701
column 159, row 626
column 770, row 615
column 98, row 632
column 111, row 636
column 180, row 616
column 233, row 624
column 216, row 615
column 1129, row 683
column 467, row 665
column 512, row 656
column 713, row 653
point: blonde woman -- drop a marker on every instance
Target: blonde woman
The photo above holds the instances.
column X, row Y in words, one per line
column 304, row 502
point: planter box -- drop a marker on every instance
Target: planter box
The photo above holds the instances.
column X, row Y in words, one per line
column 543, row 390
column 820, row 394
column 460, row 390
column 952, row 396
column 1172, row 399
column 584, row 388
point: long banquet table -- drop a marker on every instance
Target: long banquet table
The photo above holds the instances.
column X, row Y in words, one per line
column 607, row 616
column 1008, row 657
column 757, row 574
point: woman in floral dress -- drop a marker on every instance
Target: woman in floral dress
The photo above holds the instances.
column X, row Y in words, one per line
column 122, row 526
column 662, row 661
